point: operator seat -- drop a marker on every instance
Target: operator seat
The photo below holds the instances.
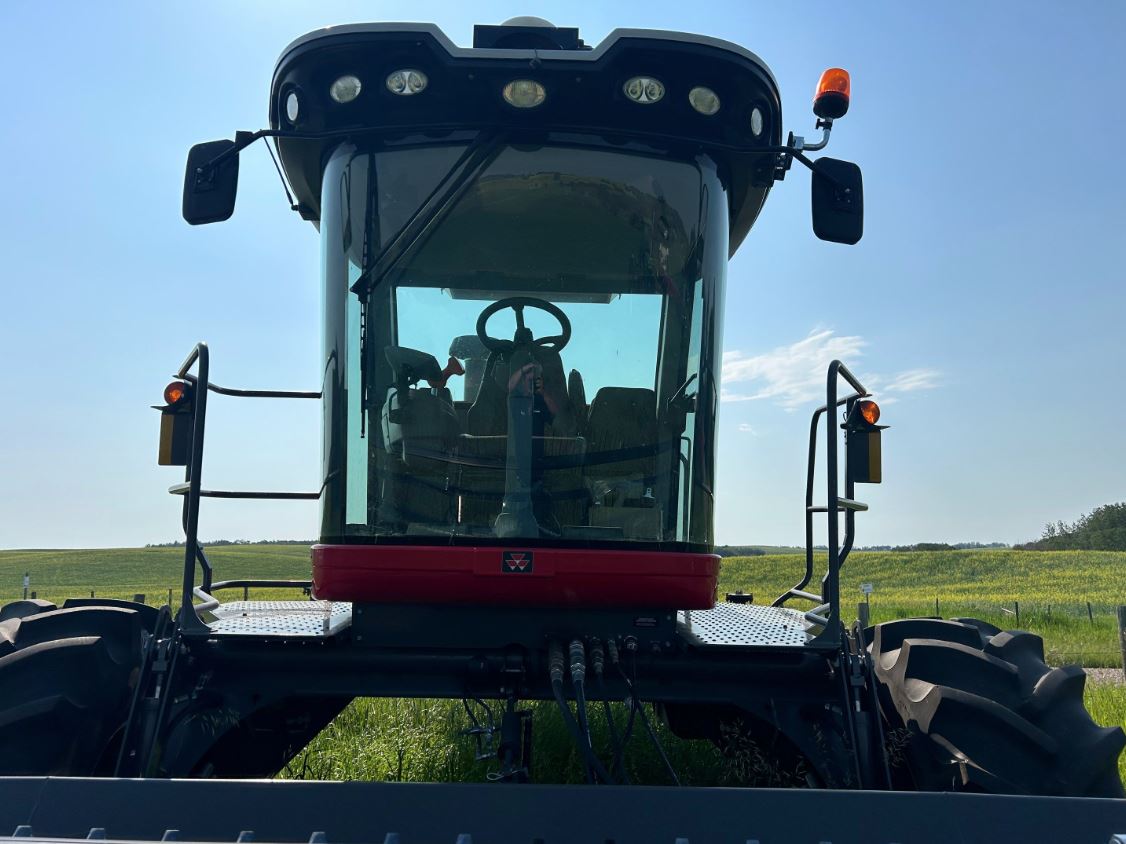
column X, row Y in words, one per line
column 419, row 433
column 622, row 462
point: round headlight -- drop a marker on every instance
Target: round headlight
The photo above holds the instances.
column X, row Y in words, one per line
column 406, row 82
column 756, row 121
column 292, row 107
column 345, row 89
column 644, row 89
column 524, row 93
column 704, row 100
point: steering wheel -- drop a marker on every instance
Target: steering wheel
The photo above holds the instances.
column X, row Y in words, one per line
column 523, row 335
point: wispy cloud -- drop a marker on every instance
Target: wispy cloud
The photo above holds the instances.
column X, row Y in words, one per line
column 911, row 380
column 793, row 376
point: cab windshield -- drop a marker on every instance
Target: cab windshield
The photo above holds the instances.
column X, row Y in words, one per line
column 520, row 344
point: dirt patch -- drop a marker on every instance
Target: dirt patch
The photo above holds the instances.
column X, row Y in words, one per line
column 1106, row 675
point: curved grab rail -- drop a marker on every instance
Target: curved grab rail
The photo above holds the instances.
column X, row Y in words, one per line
column 837, row 552
column 199, row 359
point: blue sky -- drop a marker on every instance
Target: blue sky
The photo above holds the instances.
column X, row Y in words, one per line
column 985, row 302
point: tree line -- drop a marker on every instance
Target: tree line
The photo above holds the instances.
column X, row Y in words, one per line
column 1103, row 529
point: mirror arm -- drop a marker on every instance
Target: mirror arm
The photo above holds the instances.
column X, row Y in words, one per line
column 825, row 125
column 242, row 141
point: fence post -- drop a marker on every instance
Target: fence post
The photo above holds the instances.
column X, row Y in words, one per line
column 862, row 609
column 1122, row 635
column 1090, row 615
column 1016, row 605
column 169, row 597
column 936, row 612
column 246, row 593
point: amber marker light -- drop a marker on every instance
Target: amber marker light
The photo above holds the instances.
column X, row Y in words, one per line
column 831, row 100
column 175, row 393
column 869, row 412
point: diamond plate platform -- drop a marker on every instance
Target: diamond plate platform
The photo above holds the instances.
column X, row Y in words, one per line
column 743, row 625
column 290, row 619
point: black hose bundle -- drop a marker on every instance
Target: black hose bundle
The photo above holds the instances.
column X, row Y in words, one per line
column 597, row 662
column 592, row 766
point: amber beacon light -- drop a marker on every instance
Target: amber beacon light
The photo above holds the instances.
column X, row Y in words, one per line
column 870, row 412
column 176, row 393
column 831, row 100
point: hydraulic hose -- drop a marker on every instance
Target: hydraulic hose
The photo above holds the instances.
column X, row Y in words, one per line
column 555, row 665
column 615, row 660
column 555, row 668
column 578, row 678
column 639, row 707
column 597, row 662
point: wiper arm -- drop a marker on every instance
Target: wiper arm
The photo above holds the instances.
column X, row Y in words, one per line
column 680, row 401
column 465, row 171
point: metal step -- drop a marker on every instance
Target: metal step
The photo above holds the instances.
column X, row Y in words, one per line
column 743, row 626
column 286, row 619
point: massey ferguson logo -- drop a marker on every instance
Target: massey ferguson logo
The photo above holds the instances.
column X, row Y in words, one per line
column 517, row 562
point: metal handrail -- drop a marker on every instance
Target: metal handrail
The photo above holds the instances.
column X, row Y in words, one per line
column 261, row 584
column 837, row 552
column 831, row 582
column 192, row 491
column 183, row 489
column 254, row 394
column 188, row 618
column 209, row 601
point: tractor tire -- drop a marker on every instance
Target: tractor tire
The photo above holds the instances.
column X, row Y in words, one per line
column 66, row 682
column 977, row 709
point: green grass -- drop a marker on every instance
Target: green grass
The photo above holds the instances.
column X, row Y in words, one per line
column 1053, row 589
column 419, row 740
column 1107, row 704
column 123, row 572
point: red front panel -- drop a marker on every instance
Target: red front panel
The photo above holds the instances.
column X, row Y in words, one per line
column 544, row 577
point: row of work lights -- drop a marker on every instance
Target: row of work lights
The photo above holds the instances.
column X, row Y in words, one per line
column 522, row 93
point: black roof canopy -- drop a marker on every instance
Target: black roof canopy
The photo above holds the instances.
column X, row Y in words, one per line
column 584, row 96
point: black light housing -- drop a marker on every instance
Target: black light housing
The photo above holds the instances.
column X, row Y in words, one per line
column 177, row 421
column 863, row 451
column 584, row 96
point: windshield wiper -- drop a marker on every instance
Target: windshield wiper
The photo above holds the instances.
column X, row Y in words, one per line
column 465, row 171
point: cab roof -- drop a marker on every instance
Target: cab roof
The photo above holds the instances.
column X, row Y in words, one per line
column 584, row 96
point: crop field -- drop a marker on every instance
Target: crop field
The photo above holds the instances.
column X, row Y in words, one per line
column 1053, row 588
column 1068, row 597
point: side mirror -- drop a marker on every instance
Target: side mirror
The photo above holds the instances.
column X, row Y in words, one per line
column 209, row 191
column 838, row 201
